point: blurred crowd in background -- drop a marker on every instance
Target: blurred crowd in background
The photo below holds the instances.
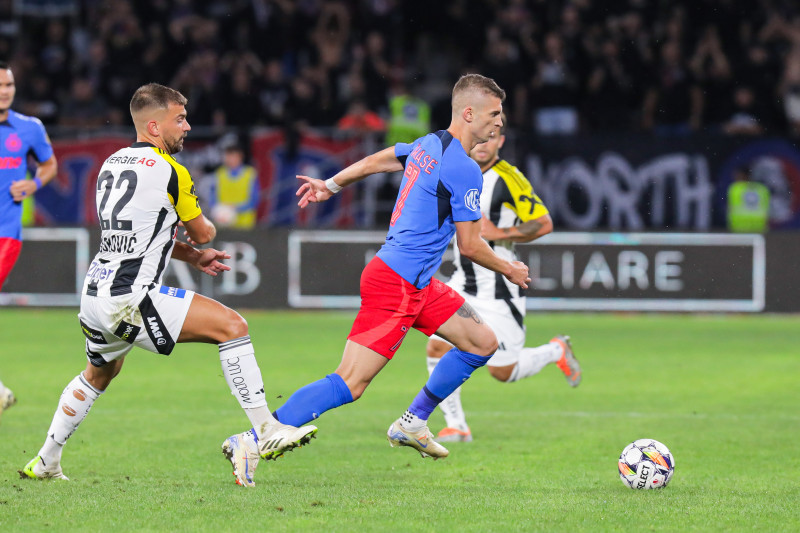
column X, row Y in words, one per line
column 568, row 66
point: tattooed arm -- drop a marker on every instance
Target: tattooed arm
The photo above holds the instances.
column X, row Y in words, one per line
column 525, row 232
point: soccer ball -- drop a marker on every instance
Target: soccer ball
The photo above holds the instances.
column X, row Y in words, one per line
column 646, row 464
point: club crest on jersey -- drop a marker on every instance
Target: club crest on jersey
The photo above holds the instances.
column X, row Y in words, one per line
column 13, row 143
column 473, row 199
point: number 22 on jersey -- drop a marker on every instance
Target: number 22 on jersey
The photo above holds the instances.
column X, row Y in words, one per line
column 110, row 220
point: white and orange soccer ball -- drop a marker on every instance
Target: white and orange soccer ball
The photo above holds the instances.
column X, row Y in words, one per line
column 646, row 464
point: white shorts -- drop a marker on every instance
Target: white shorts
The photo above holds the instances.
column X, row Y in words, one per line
column 149, row 319
column 506, row 324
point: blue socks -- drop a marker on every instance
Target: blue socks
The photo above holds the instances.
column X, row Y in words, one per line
column 453, row 369
column 311, row 401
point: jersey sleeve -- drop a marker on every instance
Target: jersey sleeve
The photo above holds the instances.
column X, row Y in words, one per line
column 401, row 151
column 464, row 181
column 526, row 204
column 40, row 142
column 182, row 193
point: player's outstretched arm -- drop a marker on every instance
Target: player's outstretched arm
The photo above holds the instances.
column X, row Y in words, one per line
column 315, row 190
column 200, row 230
column 207, row 260
column 524, row 232
column 473, row 247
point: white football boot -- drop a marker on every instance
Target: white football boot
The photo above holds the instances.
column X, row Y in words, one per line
column 242, row 451
column 277, row 438
column 421, row 440
column 36, row 469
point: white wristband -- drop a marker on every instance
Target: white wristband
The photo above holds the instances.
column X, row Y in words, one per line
column 332, row 186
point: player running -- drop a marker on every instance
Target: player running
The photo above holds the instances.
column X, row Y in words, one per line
column 439, row 196
column 20, row 135
column 142, row 196
column 512, row 213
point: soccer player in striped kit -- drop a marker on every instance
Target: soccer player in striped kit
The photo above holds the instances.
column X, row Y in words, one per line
column 143, row 195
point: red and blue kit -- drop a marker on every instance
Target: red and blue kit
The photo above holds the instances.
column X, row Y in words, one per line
column 20, row 135
column 441, row 186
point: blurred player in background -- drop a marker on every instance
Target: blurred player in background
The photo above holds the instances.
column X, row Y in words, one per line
column 143, row 194
column 511, row 213
column 439, row 196
column 20, row 135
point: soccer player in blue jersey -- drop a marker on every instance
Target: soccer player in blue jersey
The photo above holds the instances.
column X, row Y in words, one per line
column 20, row 135
column 439, row 196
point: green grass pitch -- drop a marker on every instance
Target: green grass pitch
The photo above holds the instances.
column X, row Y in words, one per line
column 720, row 391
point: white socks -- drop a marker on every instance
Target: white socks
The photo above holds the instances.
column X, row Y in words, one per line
column 532, row 360
column 451, row 407
column 241, row 371
column 73, row 406
column 411, row 422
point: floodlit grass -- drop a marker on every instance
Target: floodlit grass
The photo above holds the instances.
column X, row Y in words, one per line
column 720, row 391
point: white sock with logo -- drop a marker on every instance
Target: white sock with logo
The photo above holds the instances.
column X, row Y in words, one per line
column 532, row 360
column 73, row 406
column 241, row 371
column 451, row 407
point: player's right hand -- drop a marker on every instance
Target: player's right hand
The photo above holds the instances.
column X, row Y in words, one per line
column 519, row 274
column 312, row 191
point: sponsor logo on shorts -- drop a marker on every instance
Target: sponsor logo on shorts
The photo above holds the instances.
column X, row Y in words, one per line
column 92, row 334
column 172, row 291
column 155, row 330
column 473, row 199
column 127, row 332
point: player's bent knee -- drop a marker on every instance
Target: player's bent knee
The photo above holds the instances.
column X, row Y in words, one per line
column 236, row 326
column 486, row 344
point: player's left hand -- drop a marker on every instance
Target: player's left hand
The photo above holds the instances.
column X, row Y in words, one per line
column 209, row 261
column 21, row 189
column 312, row 191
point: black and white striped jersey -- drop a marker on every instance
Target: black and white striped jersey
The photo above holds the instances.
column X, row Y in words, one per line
column 142, row 193
column 507, row 200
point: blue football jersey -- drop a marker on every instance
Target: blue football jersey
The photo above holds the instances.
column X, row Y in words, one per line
column 19, row 136
column 441, row 185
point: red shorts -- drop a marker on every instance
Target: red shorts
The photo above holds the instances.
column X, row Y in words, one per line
column 390, row 306
column 9, row 252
